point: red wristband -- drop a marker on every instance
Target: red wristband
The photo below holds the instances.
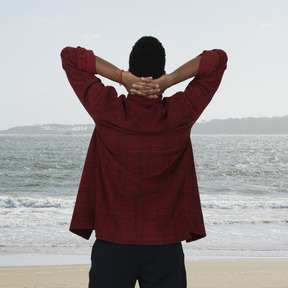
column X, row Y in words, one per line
column 120, row 76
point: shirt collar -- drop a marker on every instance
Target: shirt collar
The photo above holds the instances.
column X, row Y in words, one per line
column 141, row 99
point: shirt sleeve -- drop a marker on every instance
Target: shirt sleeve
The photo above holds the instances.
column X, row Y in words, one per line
column 80, row 67
column 202, row 88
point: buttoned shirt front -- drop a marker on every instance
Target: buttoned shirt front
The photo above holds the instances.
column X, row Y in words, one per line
column 139, row 183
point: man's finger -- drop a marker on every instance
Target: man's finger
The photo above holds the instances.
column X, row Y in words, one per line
column 137, row 92
column 145, row 92
column 147, row 79
column 143, row 86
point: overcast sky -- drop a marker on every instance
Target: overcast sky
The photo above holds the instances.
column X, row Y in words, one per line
column 34, row 88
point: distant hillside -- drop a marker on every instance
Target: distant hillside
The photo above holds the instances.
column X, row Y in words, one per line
column 264, row 125
column 51, row 129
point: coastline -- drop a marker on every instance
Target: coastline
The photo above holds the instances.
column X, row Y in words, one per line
column 216, row 273
column 45, row 259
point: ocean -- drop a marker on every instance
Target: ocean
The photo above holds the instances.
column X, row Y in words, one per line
column 243, row 182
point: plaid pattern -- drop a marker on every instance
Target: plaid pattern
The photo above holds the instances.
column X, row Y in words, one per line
column 139, row 182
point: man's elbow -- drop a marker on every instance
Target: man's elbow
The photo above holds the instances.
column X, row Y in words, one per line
column 65, row 52
column 68, row 57
column 223, row 58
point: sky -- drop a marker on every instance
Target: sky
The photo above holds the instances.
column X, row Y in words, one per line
column 34, row 88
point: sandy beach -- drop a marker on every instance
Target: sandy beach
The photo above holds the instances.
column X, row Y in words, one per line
column 264, row 273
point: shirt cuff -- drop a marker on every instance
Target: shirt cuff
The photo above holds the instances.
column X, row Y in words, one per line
column 208, row 63
column 86, row 60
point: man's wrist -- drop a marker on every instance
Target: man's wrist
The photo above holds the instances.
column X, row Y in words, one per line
column 123, row 77
column 168, row 80
column 120, row 77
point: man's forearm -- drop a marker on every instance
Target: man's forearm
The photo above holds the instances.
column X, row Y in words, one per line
column 184, row 72
column 113, row 73
column 107, row 69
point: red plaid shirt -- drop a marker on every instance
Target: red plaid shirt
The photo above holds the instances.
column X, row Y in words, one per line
column 139, row 183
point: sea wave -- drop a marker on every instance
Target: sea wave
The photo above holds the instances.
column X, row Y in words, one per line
column 242, row 204
column 52, row 202
column 244, row 221
column 36, row 222
column 30, row 202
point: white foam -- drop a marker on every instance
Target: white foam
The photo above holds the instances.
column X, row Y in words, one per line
column 32, row 202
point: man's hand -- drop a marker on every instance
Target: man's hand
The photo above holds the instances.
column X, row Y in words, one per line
column 142, row 86
column 184, row 72
column 148, row 85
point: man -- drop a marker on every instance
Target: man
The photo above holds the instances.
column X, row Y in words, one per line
column 139, row 189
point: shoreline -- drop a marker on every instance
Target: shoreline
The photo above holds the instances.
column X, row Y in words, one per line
column 36, row 260
column 216, row 273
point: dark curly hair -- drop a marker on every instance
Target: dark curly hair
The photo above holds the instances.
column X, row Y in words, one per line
column 147, row 58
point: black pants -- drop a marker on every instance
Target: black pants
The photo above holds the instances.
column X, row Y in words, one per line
column 120, row 265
